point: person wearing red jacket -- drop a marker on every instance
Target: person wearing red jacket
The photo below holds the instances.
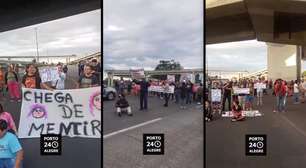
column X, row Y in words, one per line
column 280, row 93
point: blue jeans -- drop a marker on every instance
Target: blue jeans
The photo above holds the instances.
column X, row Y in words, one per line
column 296, row 97
column 7, row 163
column 189, row 98
column 280, row 105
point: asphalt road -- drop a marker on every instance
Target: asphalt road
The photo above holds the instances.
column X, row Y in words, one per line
column 76, row 152
column 286, row 139
column 183, row 131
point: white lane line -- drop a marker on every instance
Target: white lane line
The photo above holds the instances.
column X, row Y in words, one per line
column 130, row 128
column 294, row 126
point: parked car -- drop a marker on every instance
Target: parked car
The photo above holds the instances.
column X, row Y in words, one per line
column 109, row 93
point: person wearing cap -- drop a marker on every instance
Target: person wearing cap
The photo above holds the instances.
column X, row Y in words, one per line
column 11, row 152
column 123, row 105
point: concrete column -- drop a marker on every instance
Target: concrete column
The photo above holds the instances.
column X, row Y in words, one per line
column 299, row 52
column 282, row 61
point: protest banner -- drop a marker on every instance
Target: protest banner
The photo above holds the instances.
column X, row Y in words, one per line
column 137, row 73
column 49, row 74
column 187, row 77
column 259, row 86
column 216, row 95
column 73, row 113
column 254, row 113
column 241, row 91
column 161, row 89
column 171, row 78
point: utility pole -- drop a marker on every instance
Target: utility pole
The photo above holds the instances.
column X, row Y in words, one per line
column 37, row 53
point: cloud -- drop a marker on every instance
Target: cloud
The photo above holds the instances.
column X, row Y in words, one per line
column 139, row 33
column 78, row 34
column 245, row 55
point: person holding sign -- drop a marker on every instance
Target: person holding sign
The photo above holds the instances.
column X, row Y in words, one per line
column 32, row 79
column 88, row 79
column 59, row 84
column 11, row 80
column 11, row 152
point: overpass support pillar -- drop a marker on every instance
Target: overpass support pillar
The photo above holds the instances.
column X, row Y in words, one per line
column 284, row 61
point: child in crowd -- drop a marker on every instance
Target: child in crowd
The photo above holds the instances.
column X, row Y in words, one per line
column 237, row 112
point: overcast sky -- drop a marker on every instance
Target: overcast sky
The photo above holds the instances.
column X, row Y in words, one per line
column 138, row 33
column 245, row 55
column 78, row 34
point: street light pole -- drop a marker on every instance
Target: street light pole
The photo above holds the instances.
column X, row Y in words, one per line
column 37, row 53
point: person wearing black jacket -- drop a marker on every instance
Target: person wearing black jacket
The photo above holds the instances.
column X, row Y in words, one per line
column 184, row 92
column 144, row 86
column 123, row 105
column 227, row 94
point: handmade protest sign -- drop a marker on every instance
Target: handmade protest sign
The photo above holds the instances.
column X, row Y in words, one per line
column 254, row 113
column 73, row 113
column 171, row 78
column 49, row 74
column 161, row 89
column 259, row 86
column 137, row 73
column 216, row 95
column 187, row 77
column 241, row 90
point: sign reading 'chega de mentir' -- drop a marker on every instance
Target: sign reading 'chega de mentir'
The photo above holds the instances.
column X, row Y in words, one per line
column 74, row 113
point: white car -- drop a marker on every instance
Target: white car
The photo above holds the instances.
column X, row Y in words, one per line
column 109, row 93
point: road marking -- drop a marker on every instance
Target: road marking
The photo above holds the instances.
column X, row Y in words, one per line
column 294, row 126
column 130, row 128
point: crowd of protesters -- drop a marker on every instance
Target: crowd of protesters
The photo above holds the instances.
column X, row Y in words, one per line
column 184, row 94
column 280, row 88
column 11, row 152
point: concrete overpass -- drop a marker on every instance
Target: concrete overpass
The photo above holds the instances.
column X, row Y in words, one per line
column 88, row 57
column 20, row 13
column 280, row 23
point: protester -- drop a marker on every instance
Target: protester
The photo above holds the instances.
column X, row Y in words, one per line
column 96, row 68
column 123, row 105
column 11, row 80
column 11, row 152
column 250, row 97
column 65, row 69
column 189, row 92
column 296, row 92
column 177, row 92
column 32, row 79
column 286, row 93
column 184, row 92
column 144, row 85
column 227, row 95
column 2, row 82
column 280, row 92
column 208, row 111
column 9, row 120
column 59, row 84
column 200, row 94
column 87, row 79
column 260, row 93
column 237, row 111
column 166, row 93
